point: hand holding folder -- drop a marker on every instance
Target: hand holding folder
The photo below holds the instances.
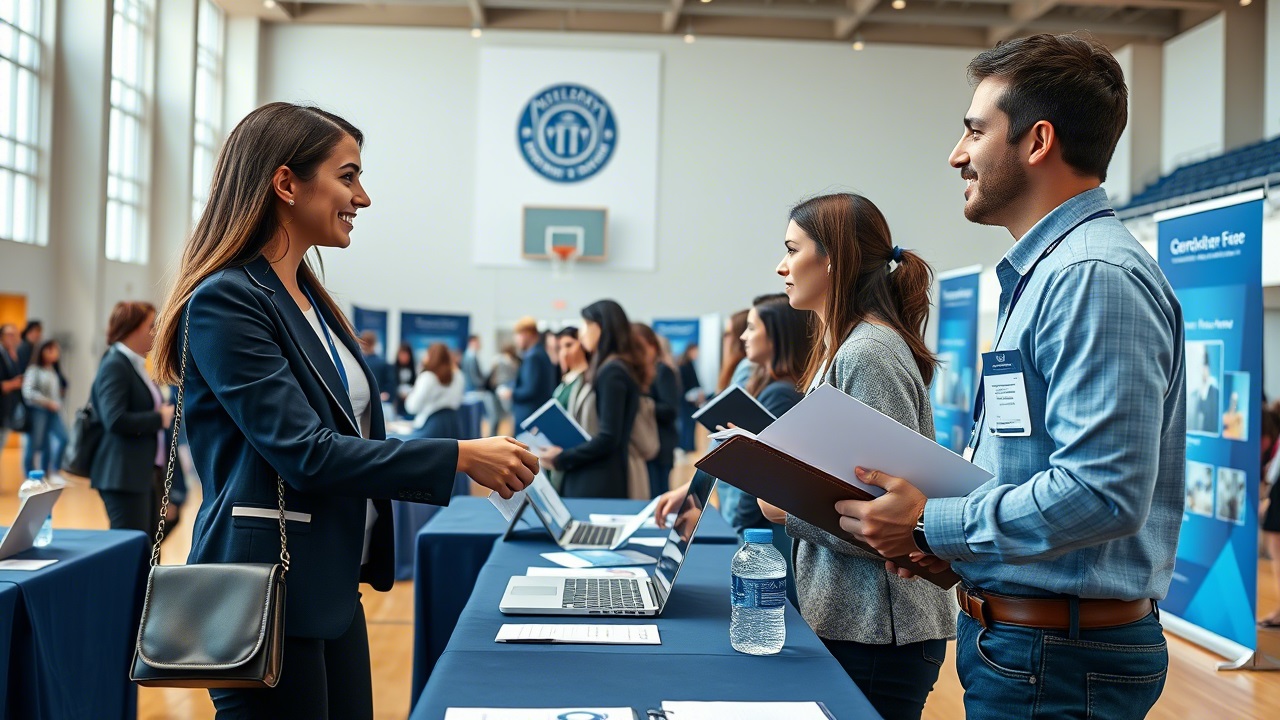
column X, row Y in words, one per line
column 804, row 462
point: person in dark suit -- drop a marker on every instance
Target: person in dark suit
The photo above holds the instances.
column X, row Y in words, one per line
column 32, row 336
column 665, row 392
column 598, row 467
column 127, row 467
column 383, row 373
column 276, row 392
column 10, row 379
column 1205, row 403
column 537, row 379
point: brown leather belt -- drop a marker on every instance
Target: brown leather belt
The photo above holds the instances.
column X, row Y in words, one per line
column 1048, row 613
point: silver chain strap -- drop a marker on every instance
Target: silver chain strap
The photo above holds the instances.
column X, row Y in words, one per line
column 173, row 458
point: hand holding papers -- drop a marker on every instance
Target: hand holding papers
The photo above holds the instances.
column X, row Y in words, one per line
column 804, row 463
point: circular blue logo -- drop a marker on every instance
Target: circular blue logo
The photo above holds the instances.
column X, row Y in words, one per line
column 567, row 133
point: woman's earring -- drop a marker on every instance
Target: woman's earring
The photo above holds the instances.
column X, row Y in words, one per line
column 291, row 205
column 828, row 269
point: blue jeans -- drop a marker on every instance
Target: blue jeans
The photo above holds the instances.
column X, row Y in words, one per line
column 1012, row 672
column 47, row 436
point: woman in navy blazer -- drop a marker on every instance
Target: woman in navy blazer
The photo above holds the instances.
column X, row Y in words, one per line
column 275, row 385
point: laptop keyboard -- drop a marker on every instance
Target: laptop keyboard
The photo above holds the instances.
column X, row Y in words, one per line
column 603, row 594
column 585, row 534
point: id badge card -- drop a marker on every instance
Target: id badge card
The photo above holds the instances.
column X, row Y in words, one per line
column 1005, row 394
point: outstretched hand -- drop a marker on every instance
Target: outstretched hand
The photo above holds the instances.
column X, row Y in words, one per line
column 502, row 464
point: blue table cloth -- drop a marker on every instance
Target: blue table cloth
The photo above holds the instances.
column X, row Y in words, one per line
column 74, row 626
column 694, row 661
column 9, row 596
column 454, row 546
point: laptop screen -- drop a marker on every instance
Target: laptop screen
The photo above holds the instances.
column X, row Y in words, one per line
column 686, row 523
column 547, row 503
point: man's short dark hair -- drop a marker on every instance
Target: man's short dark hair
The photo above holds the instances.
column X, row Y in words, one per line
column 1072, row 82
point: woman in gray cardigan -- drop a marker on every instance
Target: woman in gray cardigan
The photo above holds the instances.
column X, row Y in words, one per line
column 872, row 303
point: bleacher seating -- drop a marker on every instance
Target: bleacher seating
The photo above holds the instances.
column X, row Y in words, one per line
column 1237, row 170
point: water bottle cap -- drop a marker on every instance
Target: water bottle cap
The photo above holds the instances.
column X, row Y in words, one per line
column 35, row 475
column 759, row 535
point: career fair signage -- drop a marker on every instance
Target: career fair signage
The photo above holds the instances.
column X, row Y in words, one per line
column 376, row 320
column 1212, row 254
column 420, row 330
column 680, row 333
column 956, row 377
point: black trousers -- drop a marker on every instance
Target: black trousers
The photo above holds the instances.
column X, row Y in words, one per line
column 134, row 510
column 320, row 679
column 896, row 679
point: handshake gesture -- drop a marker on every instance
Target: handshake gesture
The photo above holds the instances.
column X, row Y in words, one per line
column 502, row 464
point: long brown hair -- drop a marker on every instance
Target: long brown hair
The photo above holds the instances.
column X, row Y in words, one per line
column 126, row 317
column 240, row 218
column 736, row 350
column 790, row 333
column 852, row 233
column 439, row 360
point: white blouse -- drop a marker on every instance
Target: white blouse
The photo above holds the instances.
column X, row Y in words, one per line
column 429, row 395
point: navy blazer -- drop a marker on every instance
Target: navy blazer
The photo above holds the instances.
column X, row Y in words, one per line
column 126, row 458
column 535, row 383
column 598, row 467
column 264, row 397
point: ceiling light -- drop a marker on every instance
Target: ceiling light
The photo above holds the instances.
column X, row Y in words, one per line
column 706, row 1
column 858, row 44
column 476, row 32
column 688, row 33
column 270, row 4
column 1245, row 3
column 899, row 4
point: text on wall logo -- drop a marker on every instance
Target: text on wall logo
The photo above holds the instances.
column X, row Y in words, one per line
column 567, row 133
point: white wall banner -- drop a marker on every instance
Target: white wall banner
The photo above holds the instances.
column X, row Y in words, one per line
column 567, row 128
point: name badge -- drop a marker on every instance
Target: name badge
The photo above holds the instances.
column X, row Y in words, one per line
column 1005, row 394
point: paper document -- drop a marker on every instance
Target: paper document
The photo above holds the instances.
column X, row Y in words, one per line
column 580, row 634
column 599, row 558
column 13, row 564
column 539, row 713
column 836, row 433
column 745, row 710
column 616, row 572
column 508, row 508
column 654, row 542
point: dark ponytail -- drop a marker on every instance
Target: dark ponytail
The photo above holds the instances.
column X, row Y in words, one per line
column 911, row 282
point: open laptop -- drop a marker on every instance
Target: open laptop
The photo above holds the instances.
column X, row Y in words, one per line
column 31, row 514
column 570, row 533
column 551, row 595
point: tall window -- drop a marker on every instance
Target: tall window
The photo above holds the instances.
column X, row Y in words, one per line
column 208, row 116
column 129, row 156
column 20, row 58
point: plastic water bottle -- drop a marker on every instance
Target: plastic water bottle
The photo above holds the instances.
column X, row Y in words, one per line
column 36, row 484
column 759, row 596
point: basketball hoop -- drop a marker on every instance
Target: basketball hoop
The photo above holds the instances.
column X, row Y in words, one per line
column 562, row 259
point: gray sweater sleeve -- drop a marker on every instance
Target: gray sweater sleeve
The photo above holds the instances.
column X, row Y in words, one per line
column 864, row 368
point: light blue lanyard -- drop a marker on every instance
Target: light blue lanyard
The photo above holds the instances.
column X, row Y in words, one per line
column 333, row 349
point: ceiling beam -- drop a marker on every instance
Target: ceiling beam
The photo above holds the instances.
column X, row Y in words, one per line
column 1149, row 27
column 477, row 12
column 671, row 18
column 845, row 26
column 1021, row 12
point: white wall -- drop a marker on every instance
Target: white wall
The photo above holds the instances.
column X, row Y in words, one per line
column 747, row 129
column 1272, row 126
column 1194, row 95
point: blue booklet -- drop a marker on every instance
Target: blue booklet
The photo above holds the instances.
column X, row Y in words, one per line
column 552, row 422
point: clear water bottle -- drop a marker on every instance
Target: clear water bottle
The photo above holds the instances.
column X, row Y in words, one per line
column 35, row 483
column 759, row 596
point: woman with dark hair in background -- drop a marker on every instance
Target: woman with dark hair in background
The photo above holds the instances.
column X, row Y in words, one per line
column 572, row 361
column 438, row 389
column 665, row 392
column 279, row 406
column 735, row 366
column 406, row 374
column 598, row 467
column 42, row 391
column 127, row 468
column 871, row 301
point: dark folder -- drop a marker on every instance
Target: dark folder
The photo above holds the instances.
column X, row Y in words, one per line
column 736, row 406
column 799, row 488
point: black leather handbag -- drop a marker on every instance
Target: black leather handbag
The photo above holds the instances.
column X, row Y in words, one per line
column 215, row 625
column 83, row 441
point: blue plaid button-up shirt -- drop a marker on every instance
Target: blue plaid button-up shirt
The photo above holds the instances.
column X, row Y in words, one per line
column 1091, row 503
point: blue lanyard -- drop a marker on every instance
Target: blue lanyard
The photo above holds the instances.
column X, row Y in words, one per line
column 333, row 349
column 979, row 402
